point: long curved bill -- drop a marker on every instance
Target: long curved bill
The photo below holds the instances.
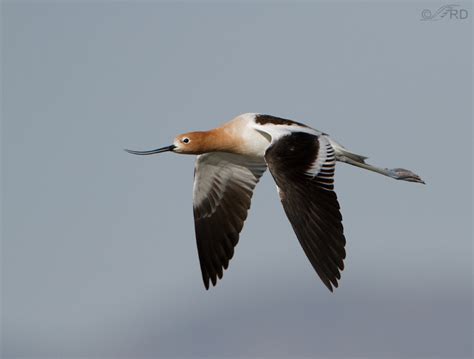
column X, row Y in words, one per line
column 152, row 152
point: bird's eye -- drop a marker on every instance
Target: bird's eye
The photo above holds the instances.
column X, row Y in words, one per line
column 185, row 140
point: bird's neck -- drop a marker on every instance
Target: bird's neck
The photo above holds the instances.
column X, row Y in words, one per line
column 216, row 140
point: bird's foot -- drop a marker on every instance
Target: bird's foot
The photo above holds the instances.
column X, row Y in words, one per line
column 405, row 175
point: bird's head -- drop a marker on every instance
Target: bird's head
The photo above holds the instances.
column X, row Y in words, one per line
column 193, row 143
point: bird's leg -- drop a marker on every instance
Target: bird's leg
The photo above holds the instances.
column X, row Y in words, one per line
column 396, row 173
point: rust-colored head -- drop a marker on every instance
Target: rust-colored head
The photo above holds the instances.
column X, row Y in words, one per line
column 199, row 142
column 193, row 143
column 196, row 143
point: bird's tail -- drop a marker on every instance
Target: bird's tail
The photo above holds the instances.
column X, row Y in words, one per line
column 341, row 151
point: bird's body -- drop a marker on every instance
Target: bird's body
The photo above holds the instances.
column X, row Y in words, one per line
column 232, row 158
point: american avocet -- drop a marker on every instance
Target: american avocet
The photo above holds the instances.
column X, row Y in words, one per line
column 232, row 158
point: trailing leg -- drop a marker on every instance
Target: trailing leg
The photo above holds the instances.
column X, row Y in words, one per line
column 343, row 155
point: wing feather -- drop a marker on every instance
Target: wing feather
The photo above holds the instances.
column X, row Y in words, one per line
column 302, row 165
column 223, row 188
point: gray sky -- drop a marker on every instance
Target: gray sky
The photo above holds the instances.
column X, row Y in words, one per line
column 98, row 250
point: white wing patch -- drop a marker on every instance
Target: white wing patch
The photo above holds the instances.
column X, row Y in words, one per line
column 323, row 165
column 278, row 131
column 215, row 172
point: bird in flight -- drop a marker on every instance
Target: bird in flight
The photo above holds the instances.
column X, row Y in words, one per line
column 232, row 158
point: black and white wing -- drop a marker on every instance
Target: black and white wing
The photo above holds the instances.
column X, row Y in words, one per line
column 302, row 165
column 223, row 188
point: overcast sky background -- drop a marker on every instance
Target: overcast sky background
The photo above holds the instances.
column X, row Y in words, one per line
column 98, row 250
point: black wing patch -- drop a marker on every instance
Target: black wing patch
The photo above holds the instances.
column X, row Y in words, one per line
column 268, row 119
column 302, row 165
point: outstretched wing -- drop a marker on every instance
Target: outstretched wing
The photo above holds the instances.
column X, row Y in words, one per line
column 302, row 165
column 223, row 188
